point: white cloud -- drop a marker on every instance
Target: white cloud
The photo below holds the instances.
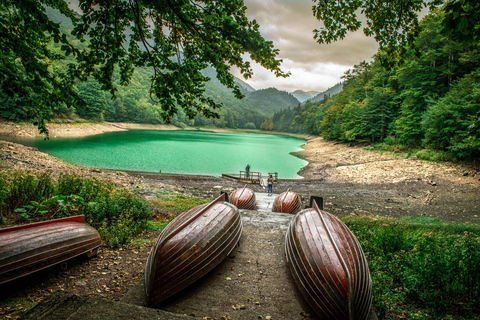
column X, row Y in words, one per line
column 289, row 24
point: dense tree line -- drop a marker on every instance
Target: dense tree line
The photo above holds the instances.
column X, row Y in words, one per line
column 430, row 100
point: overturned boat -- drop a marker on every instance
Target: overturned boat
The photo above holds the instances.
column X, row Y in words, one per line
column 328, row 266
column 287, row 202
column 28, row 248
column 189, row 247
column 243, row 198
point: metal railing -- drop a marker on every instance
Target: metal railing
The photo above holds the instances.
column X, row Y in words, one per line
column 254, row 176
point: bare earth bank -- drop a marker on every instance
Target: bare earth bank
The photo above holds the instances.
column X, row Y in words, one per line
column 347, row 177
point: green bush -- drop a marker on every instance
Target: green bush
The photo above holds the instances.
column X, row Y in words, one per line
column 118, row 214
column 433, row 155
column 249, row 125
column 421, row 267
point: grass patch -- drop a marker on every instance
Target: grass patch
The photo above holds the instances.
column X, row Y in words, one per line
column 156, row 225
column 434, row 155
column 422, row 268
column 174, row 203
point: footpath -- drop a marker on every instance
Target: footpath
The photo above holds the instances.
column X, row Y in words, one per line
column 252, row 283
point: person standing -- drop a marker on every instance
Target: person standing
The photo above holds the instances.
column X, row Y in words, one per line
column 270, row 184
column 247, row 171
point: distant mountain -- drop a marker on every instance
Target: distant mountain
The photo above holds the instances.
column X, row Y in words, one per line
column 303, row 96
column 264, row 101
column 270, row 100
column 329, row 92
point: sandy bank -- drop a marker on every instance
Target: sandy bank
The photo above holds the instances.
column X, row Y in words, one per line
column 73, row 130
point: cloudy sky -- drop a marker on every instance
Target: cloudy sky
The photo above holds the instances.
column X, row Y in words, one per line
column 289, row 24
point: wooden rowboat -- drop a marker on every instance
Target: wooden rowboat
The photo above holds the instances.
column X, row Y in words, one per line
column 243, row 198
column 189, row 247
column 328, row 266
column 28, row 248
column 287, row 202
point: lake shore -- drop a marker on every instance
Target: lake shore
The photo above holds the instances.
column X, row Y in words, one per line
column 354, row 177
column 327, row 160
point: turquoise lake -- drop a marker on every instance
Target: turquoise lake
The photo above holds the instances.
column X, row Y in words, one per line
column 188, row 152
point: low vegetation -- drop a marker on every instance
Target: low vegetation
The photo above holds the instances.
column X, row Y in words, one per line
column 421, row 268
column 170, row 203
column 118, row 214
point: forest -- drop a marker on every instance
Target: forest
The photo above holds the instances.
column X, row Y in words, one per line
column 134, row 103
column 429, row 101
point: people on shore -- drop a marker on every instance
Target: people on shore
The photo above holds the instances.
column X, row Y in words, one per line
column 270, row 184
column 247, row 171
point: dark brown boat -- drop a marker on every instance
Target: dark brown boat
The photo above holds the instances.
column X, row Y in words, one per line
column 287, row 202
column 189, row 247
column 243, row 198
column 328, row 265
column 28, row 248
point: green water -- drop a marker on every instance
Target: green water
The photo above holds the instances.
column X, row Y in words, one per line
column 189, row 152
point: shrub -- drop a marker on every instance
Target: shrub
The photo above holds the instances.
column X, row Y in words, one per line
column 23, row 187
column 250, row 125
column 421, row 267
column 117, row 213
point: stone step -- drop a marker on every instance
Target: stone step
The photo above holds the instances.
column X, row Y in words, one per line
column 67, row 306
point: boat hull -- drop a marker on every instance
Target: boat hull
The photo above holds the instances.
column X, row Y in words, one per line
column 243, row 198
column 328, row 266
column 189, row 247
column 28, row 248
column 287, row 202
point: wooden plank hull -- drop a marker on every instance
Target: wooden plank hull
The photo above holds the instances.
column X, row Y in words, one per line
column 328, row 266
column 189, row 247
column 28, row 248
column 243, row 198
column 287, row 202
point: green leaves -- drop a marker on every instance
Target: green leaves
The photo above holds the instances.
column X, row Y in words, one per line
column 461, row 20
column 25, row 63
column 177, row 39
column 391, row 22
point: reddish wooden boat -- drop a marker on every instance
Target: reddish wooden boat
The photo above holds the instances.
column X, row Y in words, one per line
column 243, row 198
column 189, row 247
column 328, row 265
column 287, row 202
column 28, row 248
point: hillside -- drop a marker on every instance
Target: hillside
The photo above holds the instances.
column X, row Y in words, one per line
column 329, row 92
column 212, row 74
column 271, row 100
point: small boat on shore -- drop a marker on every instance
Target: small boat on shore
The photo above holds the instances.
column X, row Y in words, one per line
column 32, row 247
column 189, row 247
column 287, row 202
column 243, row 198
column 328, row 266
